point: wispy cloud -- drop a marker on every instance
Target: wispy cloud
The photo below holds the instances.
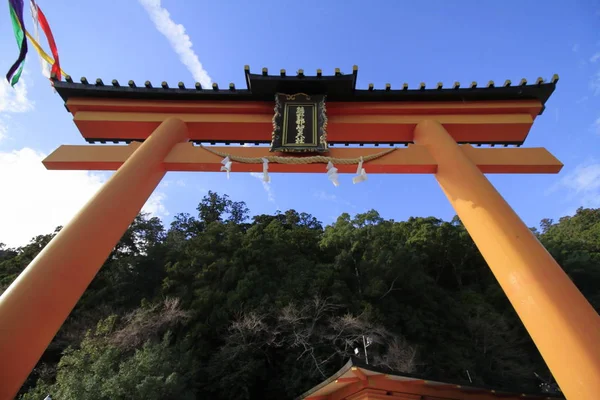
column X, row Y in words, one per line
column 3, row 129
column 582, row 185
column 13, row 100
column 180, row 42
column 595, row 57
column 575, row 48
column 324, row 196
column 155, row 205
column 266, row 186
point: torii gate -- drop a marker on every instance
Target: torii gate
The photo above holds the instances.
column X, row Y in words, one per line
column 162, row 122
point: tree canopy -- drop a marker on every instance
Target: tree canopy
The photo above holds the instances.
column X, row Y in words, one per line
column 223, row 305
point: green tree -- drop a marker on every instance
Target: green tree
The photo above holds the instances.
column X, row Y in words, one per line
column 268, row 306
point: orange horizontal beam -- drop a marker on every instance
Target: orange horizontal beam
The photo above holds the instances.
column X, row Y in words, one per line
column 532, row 107
column 359, row 373
column 252, row 127
column 410, row 160
column 455, row 392
column 337, row 133
column 348, row 390
column 100, row 116
column 347, row 380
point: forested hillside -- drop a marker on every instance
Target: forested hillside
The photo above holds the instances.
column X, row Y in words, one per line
column 223, row 306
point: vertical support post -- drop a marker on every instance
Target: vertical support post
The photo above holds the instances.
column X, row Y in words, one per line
column 37, row 303
column 561, row 322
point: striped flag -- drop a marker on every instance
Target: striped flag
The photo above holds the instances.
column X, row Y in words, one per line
column 43, row 23
column 36, row 34
column 16, row 16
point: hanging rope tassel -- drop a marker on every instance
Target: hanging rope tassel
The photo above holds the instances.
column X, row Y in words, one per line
column 266, row 177
column 332, row 174
column 298, row 160
column 226, row 165
column 361, row 174
column 332, row 171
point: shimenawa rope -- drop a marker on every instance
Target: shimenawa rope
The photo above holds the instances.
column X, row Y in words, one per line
column 299, row 160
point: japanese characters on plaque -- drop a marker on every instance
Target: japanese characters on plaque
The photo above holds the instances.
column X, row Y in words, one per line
column 299, row 123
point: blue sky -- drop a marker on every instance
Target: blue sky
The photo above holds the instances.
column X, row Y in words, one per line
column 391, row 41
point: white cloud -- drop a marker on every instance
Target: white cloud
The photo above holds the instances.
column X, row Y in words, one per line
column 595, row 57
column 180, row 42
column 35, row 201
column 3, row 128
column 583, row 184
column 155, row 205
column 322, row 195
column 12, row 100
column 266, row 186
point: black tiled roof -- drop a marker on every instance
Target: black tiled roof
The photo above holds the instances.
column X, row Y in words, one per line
column 338, row 87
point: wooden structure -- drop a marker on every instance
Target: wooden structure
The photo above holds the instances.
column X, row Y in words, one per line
column 359, row 381
column 441, row 127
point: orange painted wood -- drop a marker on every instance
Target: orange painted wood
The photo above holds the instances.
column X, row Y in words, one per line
column 476, row 122
column 359, row 373
column 36, row 304
column 561, row 322
column 337, row 133
column 380, row 376
column 413, row 159
column 151, row 106
column 347, row 380
column 377, row 394
column 532, row 107
column 381, row 389
column 455, row 392
column 348, row 390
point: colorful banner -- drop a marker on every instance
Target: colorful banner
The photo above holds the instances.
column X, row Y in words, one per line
column 48, row 32
column 43, row 56
column 44, row 62
column 16, row 16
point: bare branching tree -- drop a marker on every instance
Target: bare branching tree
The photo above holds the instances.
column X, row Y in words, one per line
column 250, row 331
column 146, row 323
column 319, row 334
column 400, row 356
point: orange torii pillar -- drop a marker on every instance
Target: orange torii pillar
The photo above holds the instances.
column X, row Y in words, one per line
column 36, row 304
column 561, row 322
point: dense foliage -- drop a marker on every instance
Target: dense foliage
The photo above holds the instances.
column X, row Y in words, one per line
column 225, row 306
